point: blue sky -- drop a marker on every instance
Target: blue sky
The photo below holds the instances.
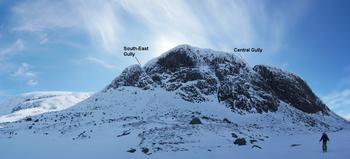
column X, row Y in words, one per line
column 77, row 45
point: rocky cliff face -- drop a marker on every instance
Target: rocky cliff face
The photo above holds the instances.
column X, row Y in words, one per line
column 132, row 76
column 200, row 75
column 291, row 89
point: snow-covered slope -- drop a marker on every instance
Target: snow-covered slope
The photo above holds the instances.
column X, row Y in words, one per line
column 110, row 147
column 35, row 103
column 187, row 100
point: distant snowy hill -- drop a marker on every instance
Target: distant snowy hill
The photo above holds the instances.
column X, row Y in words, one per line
column 187, row 100
column 35, row 103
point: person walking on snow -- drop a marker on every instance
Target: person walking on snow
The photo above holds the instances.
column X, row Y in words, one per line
column 324, row 140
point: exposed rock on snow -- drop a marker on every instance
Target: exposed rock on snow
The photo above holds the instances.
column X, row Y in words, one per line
column 256, row 146
column 131, row 150
column 240, row 141
column 196, row 120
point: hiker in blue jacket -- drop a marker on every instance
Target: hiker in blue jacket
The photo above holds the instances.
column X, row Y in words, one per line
column 324, row 140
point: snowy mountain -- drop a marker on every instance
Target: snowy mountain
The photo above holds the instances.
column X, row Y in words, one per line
column 187, row 100
column 35, row 103
column 196, row 75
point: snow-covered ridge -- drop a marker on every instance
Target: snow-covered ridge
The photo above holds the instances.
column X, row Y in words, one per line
column 35, row 103
column 193, row 52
